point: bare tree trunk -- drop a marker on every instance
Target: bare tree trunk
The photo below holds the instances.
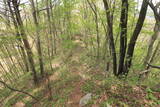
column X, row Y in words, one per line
column 155, row 52
column 54, row 29
column 152, row 41
column 8, row 69
column 35, row 17
column 51, row 44
column 5, row 73
column 18, row 58
column 94, row 9
column 18, row 36
column 7, row 19
column 24, row 38
column 123, row 36
column 132, row 42
column 156, row 10
column 109, row 17
column 10, row 58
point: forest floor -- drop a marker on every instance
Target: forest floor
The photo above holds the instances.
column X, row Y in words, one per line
column 73, row 77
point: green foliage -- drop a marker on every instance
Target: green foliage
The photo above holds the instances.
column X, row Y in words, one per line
column 107, row 103
column 150, row 95
column 68, row 44
column 88, row 87
column 72, row 21
column 14, row 99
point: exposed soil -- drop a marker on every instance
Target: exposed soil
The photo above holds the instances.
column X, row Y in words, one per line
column 75, row 96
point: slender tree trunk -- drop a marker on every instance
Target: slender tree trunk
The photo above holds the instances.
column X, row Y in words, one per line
column 152, row 41
column 24, row 39
column 18, row 36
column 109, row 17
column 5, row 72
column 7, row 19
column 123, row 36
column 35, row 17
column 94, row 9
column 132, row 42
column 18, row 58
column 54, row 29
column 10, row 58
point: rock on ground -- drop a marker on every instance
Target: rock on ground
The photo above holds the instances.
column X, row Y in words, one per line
column 84, row 100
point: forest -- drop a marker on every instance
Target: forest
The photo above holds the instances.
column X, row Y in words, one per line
column 79, row 53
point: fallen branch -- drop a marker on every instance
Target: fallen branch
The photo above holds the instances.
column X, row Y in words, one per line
column 144, row 72
column 12, row 89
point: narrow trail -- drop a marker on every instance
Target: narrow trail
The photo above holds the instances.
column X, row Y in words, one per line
column 80, row 69
column 77, row 69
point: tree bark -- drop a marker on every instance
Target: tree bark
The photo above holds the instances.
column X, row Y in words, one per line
column 35, row 17
column 123, row 36
column 109, row 17
column 152, row 41
column 18, row 36
column 24, row 39
column 132, row 42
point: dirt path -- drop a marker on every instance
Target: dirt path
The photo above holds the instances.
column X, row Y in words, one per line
column 77, row 69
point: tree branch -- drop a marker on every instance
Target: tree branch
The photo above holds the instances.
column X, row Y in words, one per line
column 153, row 66
column 154, row 8
column 12, row 89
